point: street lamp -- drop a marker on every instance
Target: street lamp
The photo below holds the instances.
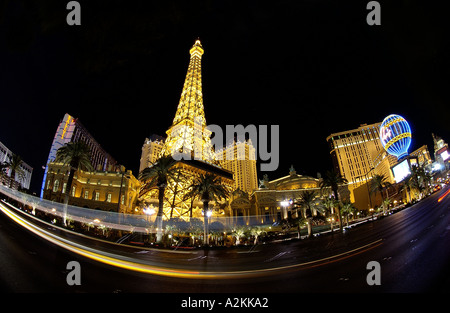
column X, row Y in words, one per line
column 285, row 204
column 149, row 211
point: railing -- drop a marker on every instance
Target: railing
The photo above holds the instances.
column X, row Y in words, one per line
column 114, row 220
column 137, row 223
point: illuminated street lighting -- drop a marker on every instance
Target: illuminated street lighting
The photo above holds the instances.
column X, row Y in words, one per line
column 286, row 203
column 149, row 211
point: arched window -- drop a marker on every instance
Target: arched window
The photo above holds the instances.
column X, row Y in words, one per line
column 56, row 185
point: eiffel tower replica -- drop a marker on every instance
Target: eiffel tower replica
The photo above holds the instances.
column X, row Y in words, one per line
column 188, row 141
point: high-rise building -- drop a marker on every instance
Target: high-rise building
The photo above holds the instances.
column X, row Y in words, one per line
column 242, row 164
column 151, row 150
column 70, row 129
column 24, row 179
column 188, row 141
column 108, row 187
column 358, row 155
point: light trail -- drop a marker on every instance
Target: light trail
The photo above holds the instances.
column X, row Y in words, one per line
column 131, row 264
column 444, row 195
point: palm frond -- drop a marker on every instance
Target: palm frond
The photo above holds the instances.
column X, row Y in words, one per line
column 75, row 154
column 158, row 174
column 207, row 188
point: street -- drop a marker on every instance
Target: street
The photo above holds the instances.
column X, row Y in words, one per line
column 411, row 247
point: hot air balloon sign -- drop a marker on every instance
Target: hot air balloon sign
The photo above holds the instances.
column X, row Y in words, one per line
column 395, row 135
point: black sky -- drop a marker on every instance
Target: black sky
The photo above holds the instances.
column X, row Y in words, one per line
column 312, row 67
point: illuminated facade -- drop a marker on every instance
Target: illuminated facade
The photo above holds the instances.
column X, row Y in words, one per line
column 70, row 129
column 150, row 151
column 115, row 191
column 242, row 164
column 358, row 155
column 423, row 156
column 270, row 198
column 188, row 141
column 273, row 200
column 25, row 179
column 441, row 154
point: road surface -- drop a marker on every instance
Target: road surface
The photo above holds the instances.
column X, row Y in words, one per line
column 411, row 246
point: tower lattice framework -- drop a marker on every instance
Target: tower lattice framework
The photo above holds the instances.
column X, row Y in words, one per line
column 188, row 134
column 189, row 139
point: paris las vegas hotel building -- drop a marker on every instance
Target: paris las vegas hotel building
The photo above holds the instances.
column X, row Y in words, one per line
column 111, row 187
column 249, row 202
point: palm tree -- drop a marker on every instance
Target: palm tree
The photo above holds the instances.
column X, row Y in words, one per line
column 333, row 179
column 306, row 202
column 347, row 209
column 256, row 232
column 298, row 222
column 156, row 176
column 427, row 179
column 408, row 185
column 14, row 164
column 208, row 188
column 421, row 178
column 329, row 204
column 386, row 203
column 238, row 232
column 379, row 183
column 78, row 156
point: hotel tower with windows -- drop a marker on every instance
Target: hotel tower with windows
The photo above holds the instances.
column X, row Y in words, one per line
column 358, row 155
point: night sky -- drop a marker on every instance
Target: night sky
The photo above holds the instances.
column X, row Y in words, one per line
column 312, row 67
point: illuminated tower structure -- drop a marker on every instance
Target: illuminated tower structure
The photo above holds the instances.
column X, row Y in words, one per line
column 188, row 141
column 188, row 134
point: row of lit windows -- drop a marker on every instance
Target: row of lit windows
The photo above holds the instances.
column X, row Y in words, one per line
column 365, row 134
column 98, row 156
column 355, row 161
column 96, row 194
